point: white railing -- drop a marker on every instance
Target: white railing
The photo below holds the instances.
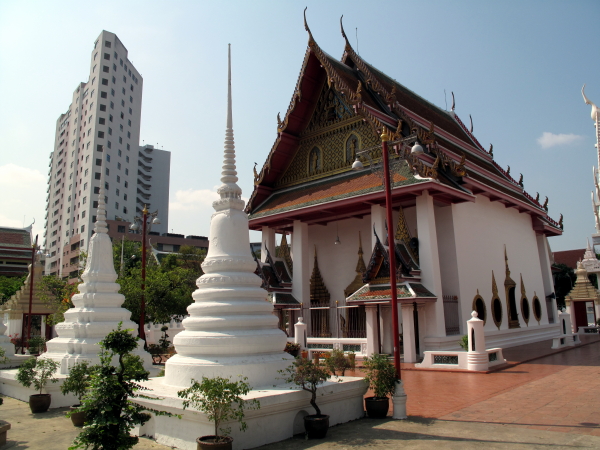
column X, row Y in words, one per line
column 153, row 333
column 356, row 345
column 457, row 359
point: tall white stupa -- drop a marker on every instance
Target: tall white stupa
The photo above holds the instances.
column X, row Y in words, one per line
column 97, row 308
column 231, row 329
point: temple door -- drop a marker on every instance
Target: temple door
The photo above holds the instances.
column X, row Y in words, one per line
column 580, row 315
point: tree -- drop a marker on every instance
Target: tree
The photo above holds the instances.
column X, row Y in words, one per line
column 56, row 293
column 565, row 280
column 110, row 414
column 9, row 287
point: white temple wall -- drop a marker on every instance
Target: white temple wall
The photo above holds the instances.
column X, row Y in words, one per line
column 337, row 263
column 481, row 230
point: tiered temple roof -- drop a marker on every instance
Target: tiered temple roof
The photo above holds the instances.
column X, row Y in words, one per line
column 310, row 163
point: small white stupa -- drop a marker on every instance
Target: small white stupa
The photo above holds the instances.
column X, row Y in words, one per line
column 5, row 344
column 97, row 309
column 231, row 329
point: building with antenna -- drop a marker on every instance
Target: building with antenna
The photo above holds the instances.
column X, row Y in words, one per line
column 100, row 133
column 468, row 236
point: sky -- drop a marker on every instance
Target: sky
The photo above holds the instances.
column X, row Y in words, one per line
column 517, row 67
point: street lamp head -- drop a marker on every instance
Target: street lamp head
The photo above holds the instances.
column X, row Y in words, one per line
column 417, row 149
column 156, row 221
column 134, row 227
column 357, row 165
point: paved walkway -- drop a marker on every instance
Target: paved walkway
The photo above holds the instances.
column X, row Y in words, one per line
column 551, row 402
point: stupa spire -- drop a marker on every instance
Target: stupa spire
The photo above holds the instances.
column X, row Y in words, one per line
column 229, row 189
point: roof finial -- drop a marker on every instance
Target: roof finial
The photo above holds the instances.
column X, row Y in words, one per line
column 348, row 46
column 471, row 130
column 453, row 102
column 589, row 102
column 310, row 36
column 100, row 224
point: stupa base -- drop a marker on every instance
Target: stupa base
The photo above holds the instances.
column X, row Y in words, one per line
column 261, row 370
column 281, row 413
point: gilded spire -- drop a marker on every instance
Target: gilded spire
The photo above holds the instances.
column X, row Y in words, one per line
column 284, row 252
column 494, row 287
column 318, row 291
column 361, row 268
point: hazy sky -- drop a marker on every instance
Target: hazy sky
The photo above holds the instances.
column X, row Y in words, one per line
column 516, row 66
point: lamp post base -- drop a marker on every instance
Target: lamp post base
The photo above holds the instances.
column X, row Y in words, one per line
column 399, row 401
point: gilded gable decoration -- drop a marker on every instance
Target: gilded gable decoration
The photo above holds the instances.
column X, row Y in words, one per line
column 315, row 161
column 511, row 302
column 352, row 147
column 357, row 283
column 403, row 235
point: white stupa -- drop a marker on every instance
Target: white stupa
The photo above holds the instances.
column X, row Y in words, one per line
column 231, row 329
column 97, row 308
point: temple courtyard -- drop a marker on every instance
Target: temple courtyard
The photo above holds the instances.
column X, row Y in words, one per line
column 547, row 402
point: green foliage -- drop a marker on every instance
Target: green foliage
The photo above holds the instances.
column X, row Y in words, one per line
column 169, row 286
column 380, row 375
column 37, row 344
column 110, row 414
column 3, row 357
column 56, row 293
column 464, row 343
column 78, row 380
column 9, row 287
column 292, row 348
column 219, row 398
column 338, row 362
column 308, row 376
column 37, row 372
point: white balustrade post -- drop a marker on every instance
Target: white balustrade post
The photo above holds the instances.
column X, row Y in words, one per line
column 300, row 333
column 477, row 358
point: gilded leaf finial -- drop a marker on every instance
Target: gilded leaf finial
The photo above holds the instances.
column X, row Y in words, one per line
column 507, row 170
column 491, row 150
column 471, row 130
column 279, row 123
column 537, row 197
column 545, row 205
column 453, row 102
column 560, row 222
column 521, row 180
column 311, row 40
column 348, row 46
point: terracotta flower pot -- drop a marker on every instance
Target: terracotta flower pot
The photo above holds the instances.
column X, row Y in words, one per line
column 39, row 403
column 316, row 426
column 304, row 354
column 377, row 407
column 208, row 443
column 78, row 418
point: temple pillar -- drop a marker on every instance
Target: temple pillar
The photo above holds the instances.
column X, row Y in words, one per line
column 378, row 220
column 385, row 325
column 408, row 333
column 268, row 240
column 372, row 335
column 301, row 276
column 430, row 264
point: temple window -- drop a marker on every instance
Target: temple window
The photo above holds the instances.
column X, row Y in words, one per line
column 497, row 311
column 537, row 308
column 479, row 306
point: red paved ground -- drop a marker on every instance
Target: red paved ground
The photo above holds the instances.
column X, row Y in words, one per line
column 559, row 392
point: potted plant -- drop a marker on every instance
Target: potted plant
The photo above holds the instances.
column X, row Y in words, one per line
column 381, row 378
column 309, row 376
column 220, row 399
column 292, row 348
column 337, row 363
column 38, row 372
column 77, row 383
column 464, row 343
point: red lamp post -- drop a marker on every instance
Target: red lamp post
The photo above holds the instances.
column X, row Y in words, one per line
column 146, row 227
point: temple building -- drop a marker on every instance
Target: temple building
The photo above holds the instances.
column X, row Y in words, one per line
column 467, row 234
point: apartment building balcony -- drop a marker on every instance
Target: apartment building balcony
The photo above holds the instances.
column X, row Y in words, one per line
column 144, row 176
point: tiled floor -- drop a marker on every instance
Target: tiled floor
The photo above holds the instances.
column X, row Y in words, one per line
column 559, row 392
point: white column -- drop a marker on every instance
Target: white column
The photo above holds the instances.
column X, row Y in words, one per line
column 268, row 239
column 372, row 337
column 408, row 333
column 385, row 323
column 566, row 316
column 477, row 359
column 544, row 256
column 430, row 264
column 378, row 221
column 301, row 277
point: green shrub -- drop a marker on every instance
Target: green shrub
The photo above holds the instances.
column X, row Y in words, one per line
column 464, row 343
column 37, row 372
column 380, row 375
column 308, row 376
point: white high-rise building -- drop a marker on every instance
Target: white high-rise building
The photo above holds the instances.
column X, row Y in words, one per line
column 100, row 131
